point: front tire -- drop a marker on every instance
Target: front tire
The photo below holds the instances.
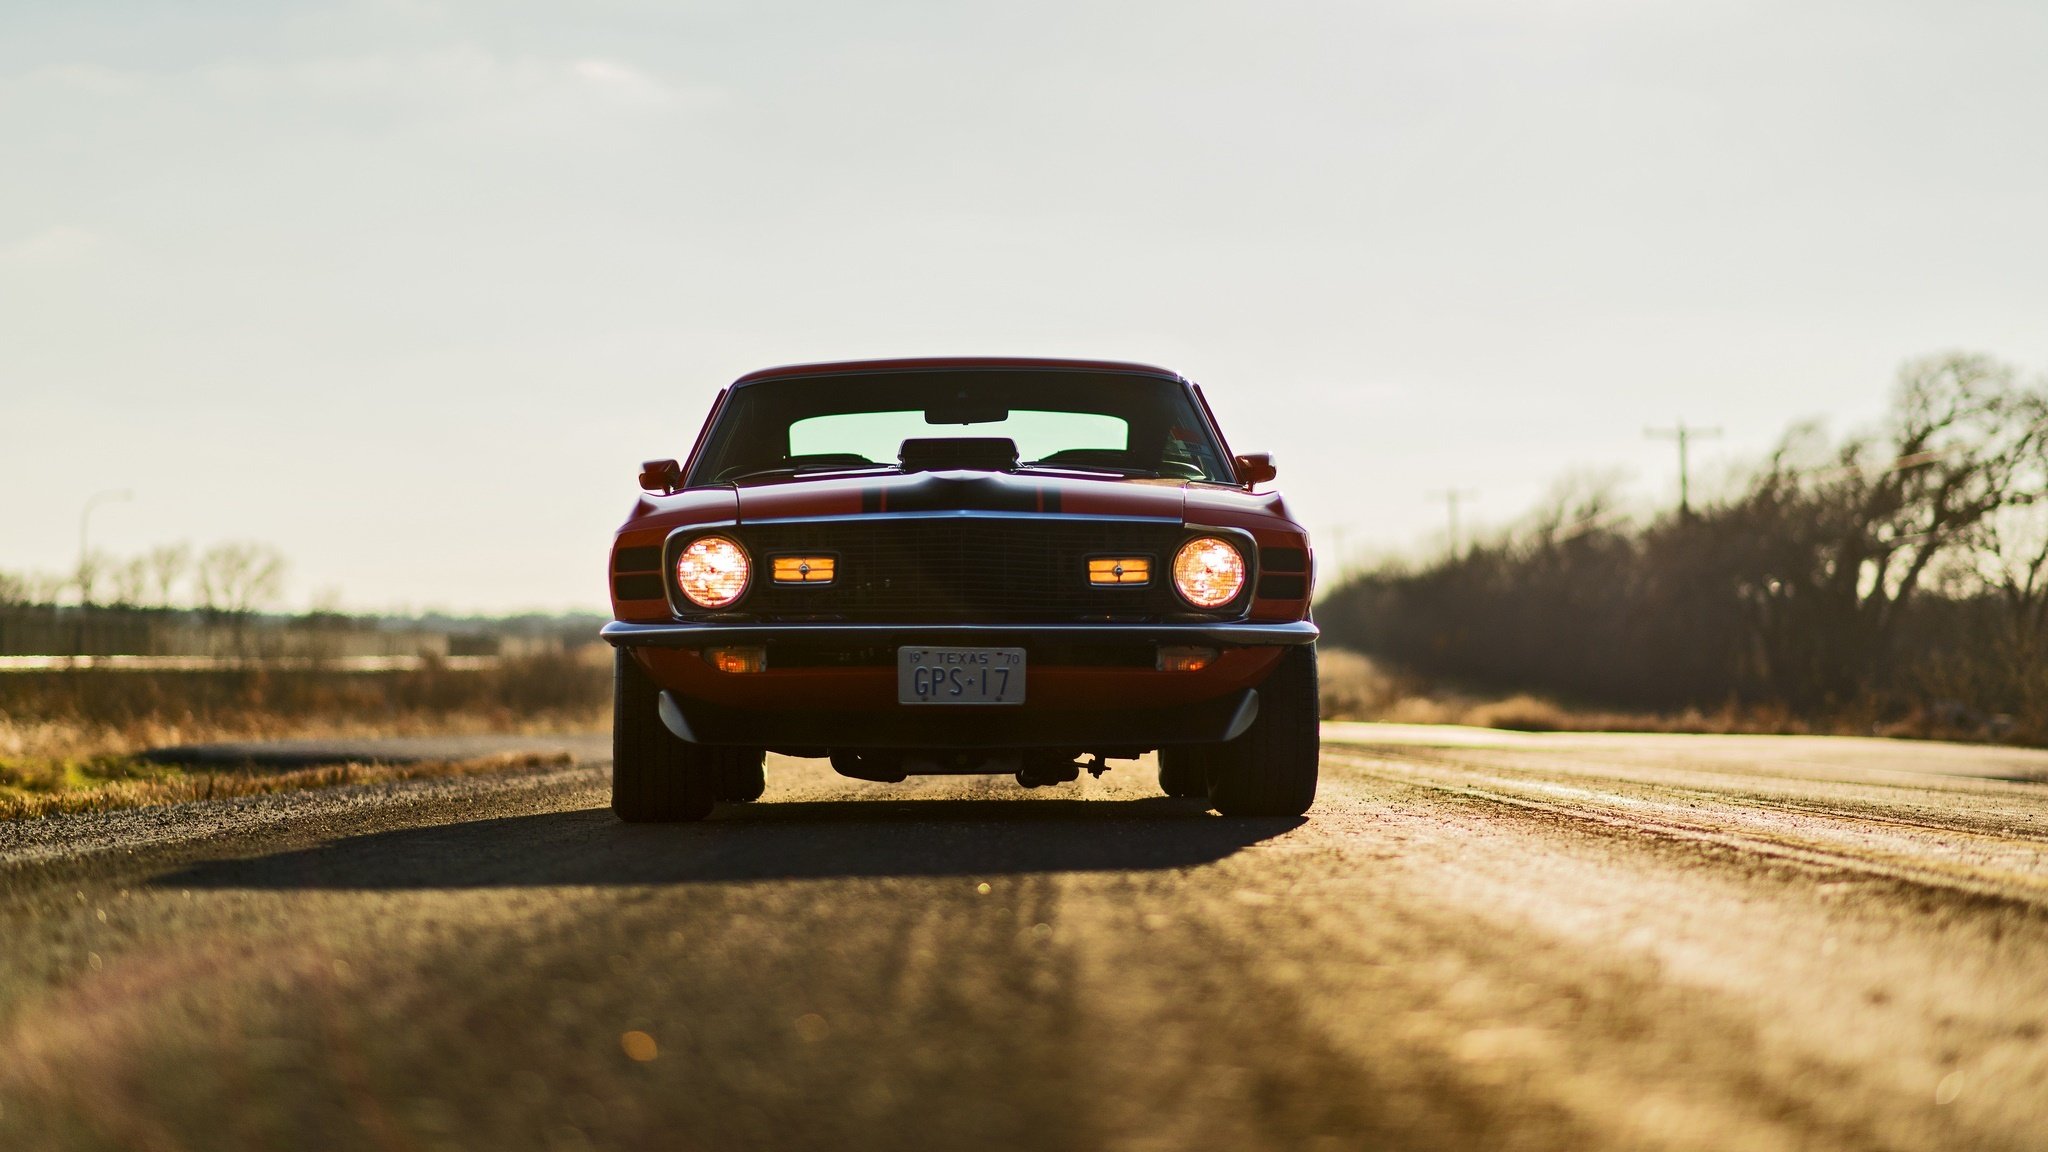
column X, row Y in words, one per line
column 656, row 778
column 1271, row 769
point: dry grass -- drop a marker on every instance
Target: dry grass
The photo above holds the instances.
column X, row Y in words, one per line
column 43, row 788
column 1354, row 687
column 70, row 741
column 71, row 738
column 81, row 715
column 1521, row 713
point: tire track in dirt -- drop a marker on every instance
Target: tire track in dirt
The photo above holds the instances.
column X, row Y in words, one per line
column 1864, row 992
column 1948, row 854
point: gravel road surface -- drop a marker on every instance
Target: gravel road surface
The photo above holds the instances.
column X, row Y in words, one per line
column 1475, row 940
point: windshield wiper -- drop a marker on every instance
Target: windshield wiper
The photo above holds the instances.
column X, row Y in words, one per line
column 733, row 477
column 1107, row 469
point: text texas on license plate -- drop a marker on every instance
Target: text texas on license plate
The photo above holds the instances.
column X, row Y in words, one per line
column 960, row 675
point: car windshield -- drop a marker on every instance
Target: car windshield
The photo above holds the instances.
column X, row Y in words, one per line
column 1111, row 422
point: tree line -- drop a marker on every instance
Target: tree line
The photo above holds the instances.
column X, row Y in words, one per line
column 234, row 578
column 1900, row 569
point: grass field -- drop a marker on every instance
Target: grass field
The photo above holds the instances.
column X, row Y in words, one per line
column 1355, row 687
column 72, row 741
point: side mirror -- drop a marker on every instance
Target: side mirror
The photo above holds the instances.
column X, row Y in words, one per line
column 662, row 476
column 1256, row 468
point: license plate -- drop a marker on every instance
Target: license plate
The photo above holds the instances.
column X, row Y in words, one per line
column 960, row 675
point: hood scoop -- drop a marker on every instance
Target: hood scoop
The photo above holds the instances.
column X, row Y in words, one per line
column 964, row 453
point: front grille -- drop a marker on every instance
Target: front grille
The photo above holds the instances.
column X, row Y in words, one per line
column 1038, row 654
column 636, row 573
column 1283, row 586
column 960, row 568
column 1284, row 559
column 637, row 585
column 646, row 558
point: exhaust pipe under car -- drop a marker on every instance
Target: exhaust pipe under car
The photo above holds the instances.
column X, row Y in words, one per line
column 895, row 767
column 1032, row 770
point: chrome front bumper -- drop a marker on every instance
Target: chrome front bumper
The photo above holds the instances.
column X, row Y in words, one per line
column 697, row 634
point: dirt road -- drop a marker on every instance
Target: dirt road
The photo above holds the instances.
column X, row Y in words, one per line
column 1476, row 940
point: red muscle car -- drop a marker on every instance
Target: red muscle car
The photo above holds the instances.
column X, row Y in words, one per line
column 962, row 566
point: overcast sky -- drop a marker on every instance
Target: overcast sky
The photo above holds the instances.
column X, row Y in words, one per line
column 408, row 289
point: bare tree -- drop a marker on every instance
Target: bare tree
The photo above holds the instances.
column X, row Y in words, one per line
column 1967, row 440
column 1843, row 549
column 2007, row 573
column 2008, row 563
column 1581, row 503
column 167, row 565
column 129, row 581
column 236, row 579
column 45, row 587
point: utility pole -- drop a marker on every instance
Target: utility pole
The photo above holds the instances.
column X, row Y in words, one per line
column 1451, row 498
column 1685, row 434
column 107, row 496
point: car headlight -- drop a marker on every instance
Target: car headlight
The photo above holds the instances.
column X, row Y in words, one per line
column 712, row 571
column 1208, row 572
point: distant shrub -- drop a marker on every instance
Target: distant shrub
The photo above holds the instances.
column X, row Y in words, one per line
column 1353, row 687
column 1522, row 713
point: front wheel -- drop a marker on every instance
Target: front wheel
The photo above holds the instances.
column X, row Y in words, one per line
column 656, row 778
column 1271, row 769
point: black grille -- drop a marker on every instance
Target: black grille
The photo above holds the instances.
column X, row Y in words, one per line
column 1283, row 559
column 1039, row 655
column 1283, row 586
column 637, row 586
column 906, row 570
column 636, row 573
column 643, row 559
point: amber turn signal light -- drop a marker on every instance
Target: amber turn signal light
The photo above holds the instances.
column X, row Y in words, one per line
column 803, row 569
column 1179, row 659
column 752, row 659
column 1110, row 570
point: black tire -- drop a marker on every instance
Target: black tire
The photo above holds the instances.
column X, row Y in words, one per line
column 1271, row 769
column 1184, row 771
column 741, row 779
column 656, row 778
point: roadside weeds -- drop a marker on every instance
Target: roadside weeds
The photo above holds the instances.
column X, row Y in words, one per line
column 31, row 789
column 1356, row 687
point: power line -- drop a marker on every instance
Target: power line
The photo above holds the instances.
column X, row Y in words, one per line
column 1685, row 434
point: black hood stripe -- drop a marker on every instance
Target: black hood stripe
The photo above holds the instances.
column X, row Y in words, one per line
column 943, row 494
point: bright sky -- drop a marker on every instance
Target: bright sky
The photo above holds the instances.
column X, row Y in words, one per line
column 409, row 289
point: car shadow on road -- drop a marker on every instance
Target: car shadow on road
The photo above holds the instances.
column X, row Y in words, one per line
column 804, row 840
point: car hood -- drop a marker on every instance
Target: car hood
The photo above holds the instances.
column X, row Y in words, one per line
column 961, row 491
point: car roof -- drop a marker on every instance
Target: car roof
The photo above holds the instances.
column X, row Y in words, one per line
column 954, row 364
